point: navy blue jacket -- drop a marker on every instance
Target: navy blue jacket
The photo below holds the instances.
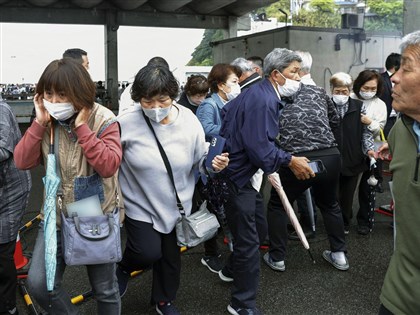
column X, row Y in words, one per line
column 250, row 124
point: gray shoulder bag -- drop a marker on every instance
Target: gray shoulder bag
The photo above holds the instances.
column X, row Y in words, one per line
column 200, row 226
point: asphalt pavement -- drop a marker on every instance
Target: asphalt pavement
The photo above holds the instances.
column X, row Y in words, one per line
column 304, row 288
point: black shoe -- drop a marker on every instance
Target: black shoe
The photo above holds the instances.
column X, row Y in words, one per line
column 243, row 311
column 363, row 230
column 379, row 188
column 214, row 263
column 13, row 311
column 166, row 308
column 346, row 230
column 294, row 237
column 225, row 275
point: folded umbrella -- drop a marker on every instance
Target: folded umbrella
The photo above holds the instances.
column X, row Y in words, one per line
column 51, row 183
column 276, row 183
column 372, row 182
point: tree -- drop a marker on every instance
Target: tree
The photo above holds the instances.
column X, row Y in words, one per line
column 389, row 15
column 321, row 13
column 202, row 55
column 273, row 11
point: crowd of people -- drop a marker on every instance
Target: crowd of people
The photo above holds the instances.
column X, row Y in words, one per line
column 149, row 161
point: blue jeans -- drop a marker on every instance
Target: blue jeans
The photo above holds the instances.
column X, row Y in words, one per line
column 101, row 277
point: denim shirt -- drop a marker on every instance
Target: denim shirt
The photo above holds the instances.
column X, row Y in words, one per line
column 209, row 115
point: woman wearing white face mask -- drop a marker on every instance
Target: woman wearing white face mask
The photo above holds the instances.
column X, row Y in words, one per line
column 223, row 80
column 149, row 198
column 368, row 87
column 355, row 142
column 89, row 151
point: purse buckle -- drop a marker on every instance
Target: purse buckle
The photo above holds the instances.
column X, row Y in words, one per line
column 95, row 229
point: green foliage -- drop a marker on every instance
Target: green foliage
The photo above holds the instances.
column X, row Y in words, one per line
column 273, row 11
column 317, row 19
column 389, row 15
column 325, row 6
column 321, row 13
column 202, row 55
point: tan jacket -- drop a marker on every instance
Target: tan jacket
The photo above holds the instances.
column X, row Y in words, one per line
column 73, row 163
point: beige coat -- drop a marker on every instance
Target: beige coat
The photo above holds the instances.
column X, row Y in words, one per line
column 73, row 163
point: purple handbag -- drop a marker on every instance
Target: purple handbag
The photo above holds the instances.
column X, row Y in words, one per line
column 91, row 240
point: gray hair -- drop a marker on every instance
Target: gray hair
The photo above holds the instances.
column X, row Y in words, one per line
column 243, row 64
column 412, row 39
column 341, row 79
column 306, row 63
column 279, row 59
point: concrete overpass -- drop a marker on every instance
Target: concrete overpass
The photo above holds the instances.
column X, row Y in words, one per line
column 229, row 15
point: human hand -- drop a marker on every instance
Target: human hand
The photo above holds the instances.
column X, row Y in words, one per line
column 42, row 115
column 300, row 167
column 372, row 154
column 220, row 162
column 365, row 119
column 82, row 117
column 383, row 152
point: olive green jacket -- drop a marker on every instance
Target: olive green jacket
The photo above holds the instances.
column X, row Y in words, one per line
column 401, row 289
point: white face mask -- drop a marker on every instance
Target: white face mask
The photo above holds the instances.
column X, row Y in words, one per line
column 289, row 88
column 235, row 90
column 367, row 95
column 340, row 99
column 60, row 111
column 157, row 114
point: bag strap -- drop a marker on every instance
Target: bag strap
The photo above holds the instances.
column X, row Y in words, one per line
column 167, row 164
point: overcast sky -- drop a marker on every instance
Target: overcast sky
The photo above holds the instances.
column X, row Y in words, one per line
column 26, row 49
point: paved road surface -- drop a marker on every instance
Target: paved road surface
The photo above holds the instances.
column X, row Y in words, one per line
column 304, row 288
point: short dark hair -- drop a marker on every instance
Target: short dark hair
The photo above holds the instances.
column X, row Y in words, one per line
column 219, row 74
column 75, row 53
column 367, row 75
column 256, row 60
column 154, row 80
column 196, row 84
column 158, row 61
column 70, row 77
column 393, row 61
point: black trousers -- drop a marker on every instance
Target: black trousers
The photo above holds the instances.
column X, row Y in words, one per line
column 347, row 187
column 147, row 248
column 248, row 225
column 7, row 277
column 324, row 187
column 302, row 205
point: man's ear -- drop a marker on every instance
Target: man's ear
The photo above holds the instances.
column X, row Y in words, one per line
column 276, row 77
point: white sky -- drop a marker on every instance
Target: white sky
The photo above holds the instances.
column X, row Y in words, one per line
column 26, row 49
